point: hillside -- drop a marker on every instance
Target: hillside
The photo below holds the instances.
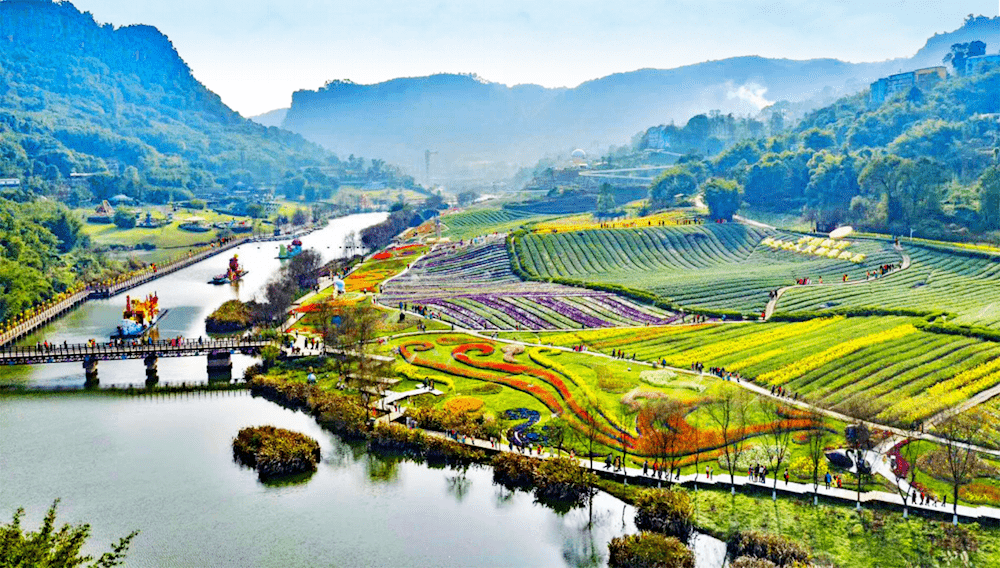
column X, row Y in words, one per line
column 83, row 97
column 469, row 120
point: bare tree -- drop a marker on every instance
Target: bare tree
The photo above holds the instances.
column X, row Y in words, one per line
column 816, row 445
column 353, row 343
column 960, row 457
column 729, row 413
column 624, row 417
column 667, row 440
column 778, row 437
column 859, row 439
column 907, row 452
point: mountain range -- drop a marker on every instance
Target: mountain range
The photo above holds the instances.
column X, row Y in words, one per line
column 474, row 124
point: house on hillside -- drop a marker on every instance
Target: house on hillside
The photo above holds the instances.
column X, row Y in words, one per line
column 893, row 85
column 982, row 63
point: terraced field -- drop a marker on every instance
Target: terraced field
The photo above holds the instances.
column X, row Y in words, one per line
column 965, row 284
column 474, row 287
column 717, row 266
column 880, row 366
column 475, row 222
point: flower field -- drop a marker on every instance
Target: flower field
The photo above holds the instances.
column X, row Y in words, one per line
column 717, row 266
column 474, row 287
column 565, row 383
column 587, row 221
column 967, row 285
column 904, row 374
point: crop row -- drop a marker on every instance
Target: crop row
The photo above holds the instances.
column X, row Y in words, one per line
column 884, row 367
column 474, row 287
column 722, row 267
column 967, row 285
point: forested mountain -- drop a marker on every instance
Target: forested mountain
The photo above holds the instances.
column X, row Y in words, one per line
column 468, row 120
column 925, row 159
column 81, row 97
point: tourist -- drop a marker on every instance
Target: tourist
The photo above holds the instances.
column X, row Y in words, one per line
column 786, row 476
column 827, row 479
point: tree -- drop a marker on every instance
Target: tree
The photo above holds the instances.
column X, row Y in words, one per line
column 467, row 198
column 124, row 219
column 354, row 345
column 816, row 139
column 300, row 217
column 960, row 54
column 989, row 198
column 666, row 414
column 816, row 446
column 729, row 413
column 960, row 457
column 671, row 183
column 723, row 198
column 778, row 437
column 303, row 268
column 859, row 438
column 54, row 548
column 605, row 199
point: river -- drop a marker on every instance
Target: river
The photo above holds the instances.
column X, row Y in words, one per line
column 189, row 298
column 162, row 464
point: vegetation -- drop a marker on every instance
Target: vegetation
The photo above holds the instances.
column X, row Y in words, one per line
column 52, row 547
column 275, row 452
column 649, row 550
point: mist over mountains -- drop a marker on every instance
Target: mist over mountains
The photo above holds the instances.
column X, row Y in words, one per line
column 480, row 129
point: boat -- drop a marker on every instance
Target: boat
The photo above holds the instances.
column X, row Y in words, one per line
column 233, row 274
column 291, row 250
column 138, row 317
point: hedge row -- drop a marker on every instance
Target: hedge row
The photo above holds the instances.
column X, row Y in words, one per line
column 859, row 311
column 649, row 550
column 972, row 331
column 557, row 480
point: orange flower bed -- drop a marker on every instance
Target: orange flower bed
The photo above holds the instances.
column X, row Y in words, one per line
column 462, row 404
column 383, row 256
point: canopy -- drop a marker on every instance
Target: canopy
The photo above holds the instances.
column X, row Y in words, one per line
column 841, row 232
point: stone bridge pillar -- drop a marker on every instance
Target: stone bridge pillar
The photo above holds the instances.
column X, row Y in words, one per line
column 220, row 366
column 151, row 362
column 90, row 371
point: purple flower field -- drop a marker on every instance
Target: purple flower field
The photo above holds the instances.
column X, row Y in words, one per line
column 475, row 288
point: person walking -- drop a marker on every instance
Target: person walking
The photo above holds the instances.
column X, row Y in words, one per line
column 786, row 476
column 827, row 479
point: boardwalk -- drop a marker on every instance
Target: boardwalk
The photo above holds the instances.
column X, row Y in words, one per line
column 33, row 355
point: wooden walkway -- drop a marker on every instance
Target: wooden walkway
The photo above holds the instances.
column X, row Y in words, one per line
column 34, row 355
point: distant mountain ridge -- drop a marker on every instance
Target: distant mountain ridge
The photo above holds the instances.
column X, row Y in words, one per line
column 471, row 121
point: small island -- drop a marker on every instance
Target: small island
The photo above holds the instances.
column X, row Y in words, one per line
column 230, row 317
column 275, row 452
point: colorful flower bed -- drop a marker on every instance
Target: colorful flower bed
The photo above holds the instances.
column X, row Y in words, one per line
column 474, row 287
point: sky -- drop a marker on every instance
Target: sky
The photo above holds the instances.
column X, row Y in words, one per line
column 255, row 53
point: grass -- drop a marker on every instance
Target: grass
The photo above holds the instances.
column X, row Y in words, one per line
column 478, row 221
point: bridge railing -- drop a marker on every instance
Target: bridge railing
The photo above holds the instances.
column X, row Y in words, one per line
column 138, row 347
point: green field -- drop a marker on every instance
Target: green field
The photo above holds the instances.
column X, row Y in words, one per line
column 964, row 283
column 716, row 266
column 479, row 221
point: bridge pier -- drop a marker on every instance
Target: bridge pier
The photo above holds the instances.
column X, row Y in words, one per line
column 220, row 366
column 90, row 371
column 151, row 362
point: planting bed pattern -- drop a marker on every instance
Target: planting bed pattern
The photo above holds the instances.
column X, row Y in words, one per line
column 475, row 222
column 717, row 266
column 905, row 374
column 568, row 393
column 474, row 287
column 966, row 284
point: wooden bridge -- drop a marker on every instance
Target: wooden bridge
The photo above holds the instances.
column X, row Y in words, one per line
column 218, row 352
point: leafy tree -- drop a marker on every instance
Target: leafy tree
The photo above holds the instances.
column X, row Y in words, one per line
column 961, row 52
column 49, row 547
column 723, row 197
column 816, row 139
column 671, row 183
column 467, row 197
column 124, row 219
column 989, row 198
column 605, row 198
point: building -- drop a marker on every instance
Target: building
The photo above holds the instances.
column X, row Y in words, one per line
column 982, row 63
column 893, row 85
column 10, row 182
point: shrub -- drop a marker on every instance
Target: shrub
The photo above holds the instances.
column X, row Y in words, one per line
column 124, row 219
column 463, row 404
column 514, row 471
column 666, row 512
column 649, row 550
column 275, row 452
column 749, row 562
column 419, row 444
column 773, row 547
column 562, row 480
column 802, row 468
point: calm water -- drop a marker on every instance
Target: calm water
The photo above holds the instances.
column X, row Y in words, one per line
column 189, row 298
column 164, row 466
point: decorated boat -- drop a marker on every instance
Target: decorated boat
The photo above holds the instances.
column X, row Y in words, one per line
column 234, row 273
column 138, row 317
column 291, row 250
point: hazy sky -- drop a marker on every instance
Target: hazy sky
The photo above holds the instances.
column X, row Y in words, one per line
column 255, row 53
